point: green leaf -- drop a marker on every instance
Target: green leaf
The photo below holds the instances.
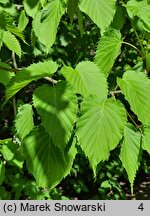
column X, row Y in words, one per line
column 100, row 128
column 148, row 61
column 24, row 120
column 107, row 51
column 25, row 76
column 136, row 88
column 23, row 21
column 4, row 1
column 11, row 42
column 119, row 18
column 130, row 151
column 16, row 31
column 57, row 107
column 2, row 19
column 10, row 9
column 2, row 172
column 80, row 21
column 146, row 139
column 47, row 21
column 87, row 79
column 45, row 161
column 31, row 7
column 106, row 184
column 5, row 75
column 72, row 7
column 5, row 140
column 140, row 9
column 15, row 87
column 101, row 12
column 1, row 38
column 43, row 2
column 4, row 194
column 12, row 154
column 8, row 24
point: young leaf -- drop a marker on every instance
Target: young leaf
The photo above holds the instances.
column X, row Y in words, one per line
column 57, row 106
column 100, row 11
column 2, row 172
column 31, row 7
column 107, row 51
column 24, row 120
column 136, row 88
column 5, row 77
column 45, row 161
column 27, row 75
column 11, row 42
column 100, row 128
column 23, row 21
column 130, row 153
column 47, row 21
column 12, row 154
column 5, row 74
column 9, row 26
column 16, row 31
column 87, row 79
column 146, row 139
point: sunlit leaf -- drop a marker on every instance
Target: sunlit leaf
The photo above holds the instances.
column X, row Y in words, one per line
column 57, row 106
column 140, row 9
column 87, row 79
column 46, row 23
column 45, row 161
column 107, row 51
column 11, row 42
column 146, row 139
column 25, row 76
column 24, row 120
column 23, row 21
column 12, row 154
column 100, row 128
column 130, row 153
column 5, row 74
column 31, row 7
column 2, row 172
column 101, row 12
column 136, row 88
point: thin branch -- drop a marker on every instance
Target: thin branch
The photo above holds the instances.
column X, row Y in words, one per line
column 115, row 92
column 131, row 45
column 51, row 80
column 7, row 69
column 14, row 61
column 136, row 125
column 16, row 68
column 139, row 40
column 14, row 105
column 19, row 6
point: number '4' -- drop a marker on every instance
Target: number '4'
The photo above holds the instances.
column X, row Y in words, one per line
column 141, row 207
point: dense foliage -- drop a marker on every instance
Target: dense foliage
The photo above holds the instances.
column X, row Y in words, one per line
column 75, row 97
